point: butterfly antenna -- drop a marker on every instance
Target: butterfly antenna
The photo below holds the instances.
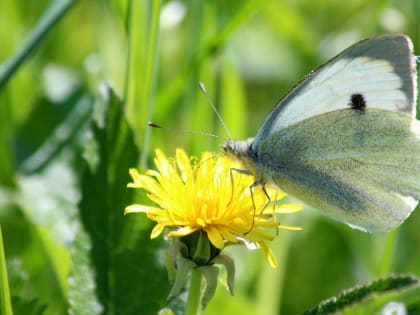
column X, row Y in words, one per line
column 201, row 133
column 203, row 89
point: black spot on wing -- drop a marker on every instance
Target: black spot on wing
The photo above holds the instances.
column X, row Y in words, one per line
column 357, row 101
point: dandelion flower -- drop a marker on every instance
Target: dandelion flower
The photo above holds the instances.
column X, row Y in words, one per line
column 207, row 196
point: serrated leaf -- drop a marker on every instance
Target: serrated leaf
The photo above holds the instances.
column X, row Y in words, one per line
column 82, row 288
column 372, row 298
column 41, row 224
column 37, row 264
column 129, row 268
column 39, row 227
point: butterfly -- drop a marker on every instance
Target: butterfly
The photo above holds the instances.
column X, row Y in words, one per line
column 345, row 140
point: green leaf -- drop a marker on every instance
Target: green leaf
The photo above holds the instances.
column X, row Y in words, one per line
column 127, row 267
column 37, row 220
column 37, row 264
column 82, row 296
column 28, row 307
column 229, row 264
column 374, row 297
column 39, row 215
column 183, row 270
column 5, row 303
column 47, row 263
column 210, row 274
column 40, row 140
column 166, row 311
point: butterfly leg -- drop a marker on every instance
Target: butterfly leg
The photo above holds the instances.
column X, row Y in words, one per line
column 240, row 171
column 267, row 195
column 264, row 189
column 251, row 188
column 254, row 184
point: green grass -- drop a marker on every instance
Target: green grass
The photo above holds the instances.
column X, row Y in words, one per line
column 67, row 140
column 5, row 301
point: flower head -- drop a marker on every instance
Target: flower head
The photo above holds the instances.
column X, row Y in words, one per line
column 209, row 197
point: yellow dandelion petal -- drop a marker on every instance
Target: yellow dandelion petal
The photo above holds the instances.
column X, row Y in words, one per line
column 267, row 223
column 290, row 228
column 160, row 217
column 184, row 164
column 241, row 224
column 146, row 182
column 164, row 166
column 227, row 235
column 215, row 237
column 182, row 231
column 137, row 208
column 152, row 173
column 134, row 173
column 288, row 208
column 257, row 234
column 157, row 230
column 268, row 252
column 155, row 188
column 160, row 161
column 134, row 185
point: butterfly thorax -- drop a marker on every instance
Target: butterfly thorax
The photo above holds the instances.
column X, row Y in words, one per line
column 242, row 150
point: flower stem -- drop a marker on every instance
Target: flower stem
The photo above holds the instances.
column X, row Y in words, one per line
column 193, row 306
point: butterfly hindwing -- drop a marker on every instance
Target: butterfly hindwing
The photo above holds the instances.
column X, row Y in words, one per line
column 368, row 176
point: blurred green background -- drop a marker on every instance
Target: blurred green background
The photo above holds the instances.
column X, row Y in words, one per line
column 72, row 73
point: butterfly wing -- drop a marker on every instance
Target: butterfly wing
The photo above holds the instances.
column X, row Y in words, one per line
column 382, row 69
column 359, row 167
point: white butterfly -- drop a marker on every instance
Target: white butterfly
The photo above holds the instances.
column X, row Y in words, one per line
column 345, row 140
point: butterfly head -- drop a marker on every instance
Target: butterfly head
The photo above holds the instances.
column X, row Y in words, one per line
column 238, row 148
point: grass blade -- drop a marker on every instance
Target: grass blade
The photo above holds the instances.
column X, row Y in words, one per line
column 55, row 12
column 5, row 303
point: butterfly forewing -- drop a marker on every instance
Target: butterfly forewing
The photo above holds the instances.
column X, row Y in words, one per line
column 381, row 69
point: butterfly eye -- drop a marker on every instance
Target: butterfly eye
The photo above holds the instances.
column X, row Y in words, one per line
column 226, row 147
